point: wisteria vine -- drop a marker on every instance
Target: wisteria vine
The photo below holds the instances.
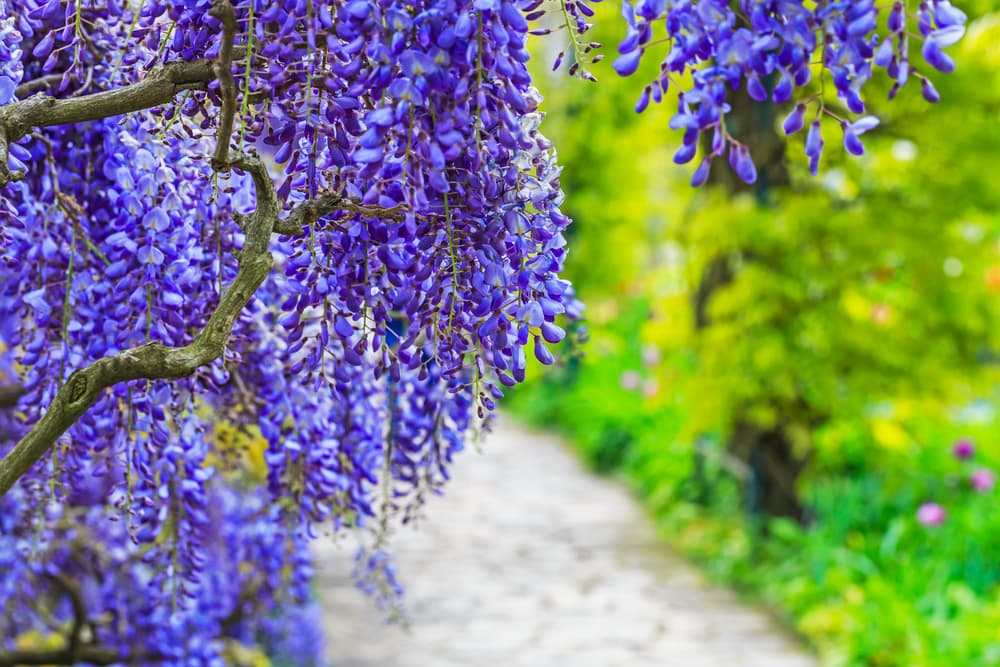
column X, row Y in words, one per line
column 772, row 48
column 265, row 265
column 410, row 209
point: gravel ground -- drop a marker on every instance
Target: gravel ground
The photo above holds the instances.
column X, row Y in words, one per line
column 530, row 561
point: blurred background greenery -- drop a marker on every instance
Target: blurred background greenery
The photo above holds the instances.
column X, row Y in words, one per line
column 783, row 373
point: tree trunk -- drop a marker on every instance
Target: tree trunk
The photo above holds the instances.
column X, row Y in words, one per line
column 769, row 454
column 774, row 469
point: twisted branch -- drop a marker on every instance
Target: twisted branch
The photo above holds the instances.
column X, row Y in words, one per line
column 75, row 595
column 76, row 650
column 41, row 83
column 155, row 361
column 306, row 213
column 158, row 88
column 152, row 361
column 223, row 69
column 88, row 653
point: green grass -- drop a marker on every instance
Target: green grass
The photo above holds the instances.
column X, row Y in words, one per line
column 863, row 583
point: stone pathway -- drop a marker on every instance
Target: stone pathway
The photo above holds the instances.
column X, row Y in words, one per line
column 529, row 561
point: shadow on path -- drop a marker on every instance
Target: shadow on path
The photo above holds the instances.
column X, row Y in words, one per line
column 529, row 561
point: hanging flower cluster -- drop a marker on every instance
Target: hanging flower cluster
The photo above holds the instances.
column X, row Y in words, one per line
column 331, row 225
column 770, row 48
column 139, row 607
column 11, row 71
column 415, row 269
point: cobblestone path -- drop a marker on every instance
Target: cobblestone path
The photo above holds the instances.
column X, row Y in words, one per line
column 529, row 561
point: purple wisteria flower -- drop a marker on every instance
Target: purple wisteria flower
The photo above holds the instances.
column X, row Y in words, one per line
column 771, row 49
column 379, row 332
column 384, row 334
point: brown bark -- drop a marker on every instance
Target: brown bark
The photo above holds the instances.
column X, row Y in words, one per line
column 775, row 469
column 86, row 654
column 155, row 361
column 753, row 123
column 10, row 395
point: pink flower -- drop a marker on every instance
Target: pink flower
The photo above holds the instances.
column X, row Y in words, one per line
column 964, row 449
column 931, row 514
column 630, row 380
column 983, row 480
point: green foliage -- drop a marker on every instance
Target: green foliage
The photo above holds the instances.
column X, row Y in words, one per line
column 862, row 307
column 619, row 206
column 865, row 285
column 864, row 583
column 869, row 285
